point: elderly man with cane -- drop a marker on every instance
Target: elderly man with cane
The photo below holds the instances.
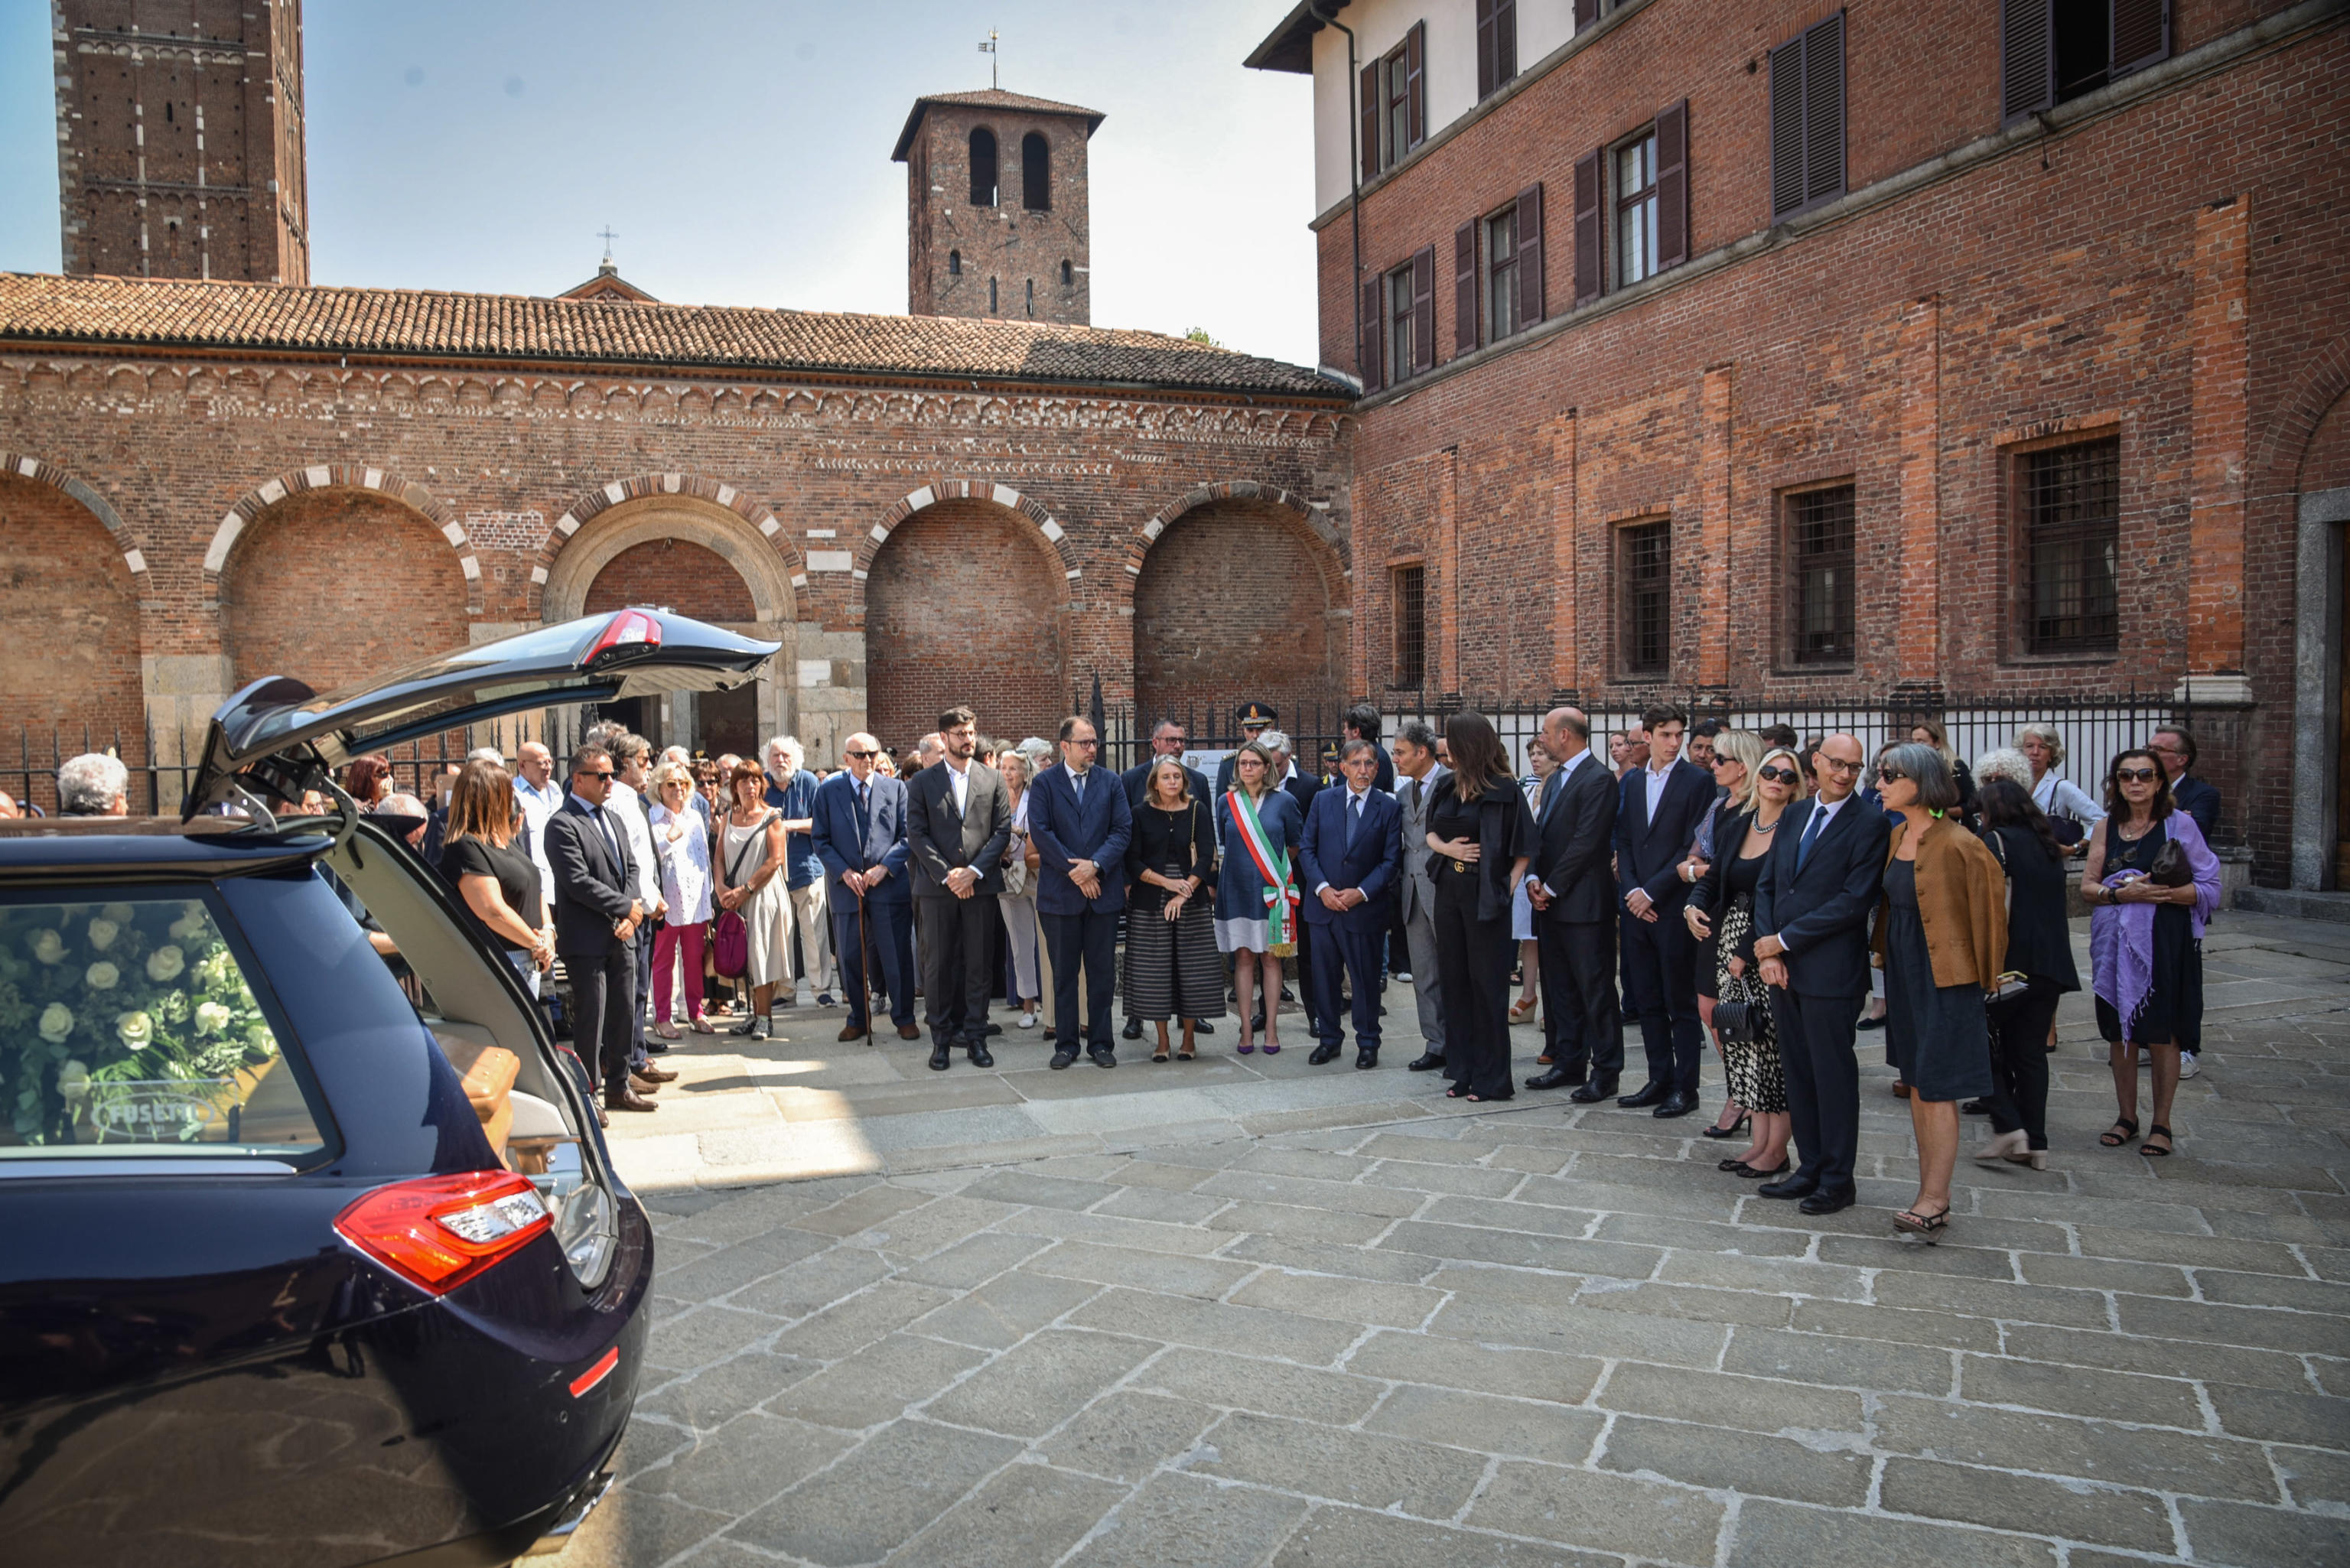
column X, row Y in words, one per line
column 859, row 823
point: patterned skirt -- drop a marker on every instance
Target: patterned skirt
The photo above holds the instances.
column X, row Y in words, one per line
column 1757, row 1081
column 1172, row 970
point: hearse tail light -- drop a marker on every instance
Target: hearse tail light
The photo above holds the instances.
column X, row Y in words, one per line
column 632, row 634
column 437, row 1231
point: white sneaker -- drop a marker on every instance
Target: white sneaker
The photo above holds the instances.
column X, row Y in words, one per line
column 2188, row 1065
column 1028, row 1021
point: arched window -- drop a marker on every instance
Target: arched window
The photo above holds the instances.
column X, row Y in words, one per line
column 991, row 297
column 982, row 168
column 1035, row 174
column 1069, row 274
column 954, row 264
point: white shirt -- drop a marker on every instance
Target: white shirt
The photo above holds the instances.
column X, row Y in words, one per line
column 538, row 807
column 685, row 868
column 630, row 816
column 1825, row 814
column 2057, row 796
column 1656, row 777
column 959, row 782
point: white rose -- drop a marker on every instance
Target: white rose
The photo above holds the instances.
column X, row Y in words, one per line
column 120, row 914
column 57, row 1022
column 211, row 1017
column 102, row 933
column 165, row 963
column 134, row 1029
column 48, row 947
column 101, row 976
column 73, row 1080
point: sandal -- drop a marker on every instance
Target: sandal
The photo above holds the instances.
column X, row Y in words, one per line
column 1930, row 1226
column 703, row 1026
column 2156, row 1131
column 669, row 1032
column 1522, row 1011
column 2123, row 1131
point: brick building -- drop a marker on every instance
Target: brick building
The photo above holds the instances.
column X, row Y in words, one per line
column 997, row 220
column 1928, row 350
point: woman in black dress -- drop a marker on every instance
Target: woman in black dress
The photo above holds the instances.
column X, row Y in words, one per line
column 1172, row 967
column 1723, row 905
column 2040, row 948
column 1483, row 836
column 493, row 877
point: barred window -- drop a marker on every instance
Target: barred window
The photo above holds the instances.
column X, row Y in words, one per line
column 2070, row 505
column 1409, row 599
column 1820, row 561
column 1647, row 574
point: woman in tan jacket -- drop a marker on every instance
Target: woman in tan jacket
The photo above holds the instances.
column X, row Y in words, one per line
column 1941, row 937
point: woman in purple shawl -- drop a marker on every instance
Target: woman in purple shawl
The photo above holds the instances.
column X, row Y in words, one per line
column 2146, row 939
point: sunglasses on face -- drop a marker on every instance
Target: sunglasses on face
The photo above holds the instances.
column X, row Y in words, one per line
column 1777, row 775
column 604, row 774
column 2135, row 776
column 861, row 756
column 1888, row 775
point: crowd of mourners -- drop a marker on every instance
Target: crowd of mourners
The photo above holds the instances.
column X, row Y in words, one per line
column 1773, row 898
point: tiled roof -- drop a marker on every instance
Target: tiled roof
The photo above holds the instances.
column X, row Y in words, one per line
column 42, row 307
column 988, row 97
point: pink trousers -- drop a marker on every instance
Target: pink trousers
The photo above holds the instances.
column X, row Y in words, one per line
column 668, row 944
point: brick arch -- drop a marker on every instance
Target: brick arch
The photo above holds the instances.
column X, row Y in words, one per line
column 348, row 476
column 686, row 486
column 2286, row 443
column 560, row 589
column 1316, row 520
column 56, row 478
column 1048, row 527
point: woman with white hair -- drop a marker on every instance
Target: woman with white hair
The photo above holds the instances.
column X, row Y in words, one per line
column 2070, row 811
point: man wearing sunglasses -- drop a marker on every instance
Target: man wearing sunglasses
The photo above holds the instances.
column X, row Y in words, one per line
column 1820, row 883
column 860, row 828
column 597, row 914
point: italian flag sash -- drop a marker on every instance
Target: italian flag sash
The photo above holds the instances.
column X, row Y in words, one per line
column 1280, row 891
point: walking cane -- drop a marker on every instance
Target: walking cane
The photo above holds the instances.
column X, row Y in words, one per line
column 865, row 967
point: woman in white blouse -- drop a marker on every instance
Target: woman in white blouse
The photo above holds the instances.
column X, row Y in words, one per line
column 2057, row 796
column 681, row 844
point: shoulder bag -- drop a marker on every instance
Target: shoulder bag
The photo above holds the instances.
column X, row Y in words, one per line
column 730, row 947
column 2012, row 984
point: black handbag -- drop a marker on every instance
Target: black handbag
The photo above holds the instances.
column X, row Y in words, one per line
column 1733, row 1022
column 2171, row 868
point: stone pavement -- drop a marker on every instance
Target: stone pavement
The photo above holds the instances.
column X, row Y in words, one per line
column 1250, row 1313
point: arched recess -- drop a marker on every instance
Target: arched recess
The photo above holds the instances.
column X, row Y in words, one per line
column 687, row 551
column 349, row 477
column 685, row 489
column 2304, row 462
column 71, row 669
column 966, row 603
column 1048, row 527
column 24, row 466
column 1239, row 599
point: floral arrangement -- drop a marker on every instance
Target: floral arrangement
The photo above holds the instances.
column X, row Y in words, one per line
column 93, row 994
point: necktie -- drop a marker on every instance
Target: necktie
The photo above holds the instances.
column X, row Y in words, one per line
column 1550, row 791
column 1354, row 817
column 1810, row 835
column 611, row 838
column 1077, row 780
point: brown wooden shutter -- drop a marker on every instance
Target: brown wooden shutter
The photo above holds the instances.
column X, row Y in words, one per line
column 1672, row 185
column 1786, row 128
column 2027, row 59
column 1423, row 309
column 1371, row 118
column 1505, row 42
column 1590, row 229
column 1464, row 288
column 1530, row 257
column 1586, row 12
column 1415, row 76
column 1485, row 56
column 1374, row 349
column 1823, row 111
column 2141, row 35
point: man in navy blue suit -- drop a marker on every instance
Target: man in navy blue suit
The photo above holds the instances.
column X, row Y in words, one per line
column 1347, row 859
column 860, row 828
column 1820, row 884
column 1080, row 823
column 1659, row 806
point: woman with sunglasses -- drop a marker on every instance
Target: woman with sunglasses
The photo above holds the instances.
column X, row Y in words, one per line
column 2145, row 938
column 1941, row 939
column 1757, row 802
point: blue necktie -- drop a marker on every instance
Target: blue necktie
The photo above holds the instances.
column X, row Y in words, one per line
column 1354, row 817
column 1550, row 792
column 1078, row 783
column 1810, row 835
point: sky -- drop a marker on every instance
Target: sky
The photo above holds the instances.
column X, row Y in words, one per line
column 741, row 151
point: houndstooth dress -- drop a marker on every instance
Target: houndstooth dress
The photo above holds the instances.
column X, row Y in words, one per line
column 1757, row 1081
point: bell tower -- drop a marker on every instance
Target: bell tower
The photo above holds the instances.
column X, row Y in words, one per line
column 996, row 207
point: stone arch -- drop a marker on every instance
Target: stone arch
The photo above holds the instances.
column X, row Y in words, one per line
column 348, row 476
column 701, row 523
column 1046, row 527
column 1316, row 521
column 97, row 505
column 72, row 678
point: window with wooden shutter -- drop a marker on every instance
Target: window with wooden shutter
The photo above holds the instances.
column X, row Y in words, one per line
column 1398, row 116
column 1415, row 70
column 1371, row 351
column 1635, row 167
column 1370, row 112
column 1530, row 255
column 1423, row 309
column 1501, row 275
column 1396, row 322
column 2026, row 64
column 1672, row 186
column 2052, row 51
column 1497, row 45
column 1807, row 119
column 1590, row 258
column 2141, row 35
column 1586, row 12
column 1464, row 288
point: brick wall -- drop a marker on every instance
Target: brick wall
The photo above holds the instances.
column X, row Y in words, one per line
column 71, row 659
column 1234, row 605
column 1006, row 241
column 2328, row 464
column 673, row 573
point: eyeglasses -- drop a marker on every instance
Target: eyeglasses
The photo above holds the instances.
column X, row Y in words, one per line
column 1776, row 776
column 1838, row 764
column 1889, row 775
column 2135, row 776
column 605, row 773
column 1088, row 741
column 861, row 756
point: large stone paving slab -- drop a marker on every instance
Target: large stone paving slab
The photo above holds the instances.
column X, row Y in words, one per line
column 1279, row 1315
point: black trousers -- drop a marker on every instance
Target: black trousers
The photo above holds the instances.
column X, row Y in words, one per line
column 1816, row 1036
column 1472, row 964
column 1582, row 1024
column 603, row 999
column 2019, row 1062
column 1340, row 952
column 1660, row 989
column 1088, row 940
column 955, row 964
column 888, row 941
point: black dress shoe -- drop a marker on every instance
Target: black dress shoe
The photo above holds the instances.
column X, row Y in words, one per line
column 1062, row 1059
column 1133, row 1030
column 1868, row 1022
column 1256, row 1024
column 1675, row 1105
column 1103, row 1057
column 1322, row 1053
column 1591, row 1094
column 1426, row 1061
column 1796, row 1185
column 978, row 1054
column 1200, row 1028
column 942, row 1056
column 1827, row 1202
column 1556, row 1078
column 1649, row 1094
column 1975, row 1108
column 993, row 1029
column 1366, row 1057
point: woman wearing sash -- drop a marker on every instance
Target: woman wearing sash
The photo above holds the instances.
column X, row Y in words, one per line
column 1479, row 825
column 1257, row 895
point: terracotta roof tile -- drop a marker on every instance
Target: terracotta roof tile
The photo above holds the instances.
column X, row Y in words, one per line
column 41, row 308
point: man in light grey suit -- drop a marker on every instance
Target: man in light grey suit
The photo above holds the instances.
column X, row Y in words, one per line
column 1414, row 747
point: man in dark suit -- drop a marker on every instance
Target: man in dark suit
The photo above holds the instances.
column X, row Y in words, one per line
column 1347, row 860
column 1659, row 806
column 859, row 830
column 597, row 914
column 1166, row 740
column 1820, row 883
column 1079, row 820
column 958, row 820
column 1574, row 911
column 1415, row 758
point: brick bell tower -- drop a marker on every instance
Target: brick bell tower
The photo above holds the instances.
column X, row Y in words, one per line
column 996, row 207
column 180, row 149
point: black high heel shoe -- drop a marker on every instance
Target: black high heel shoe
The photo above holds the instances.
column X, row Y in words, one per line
column 1744, row 1121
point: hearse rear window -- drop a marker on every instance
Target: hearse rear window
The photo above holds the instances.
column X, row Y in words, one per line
column 128, row 1028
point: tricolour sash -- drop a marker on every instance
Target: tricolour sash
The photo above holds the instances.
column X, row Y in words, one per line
column 1280, row 891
